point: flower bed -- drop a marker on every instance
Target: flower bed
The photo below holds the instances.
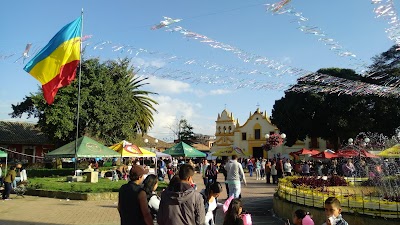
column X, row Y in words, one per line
column 311, row 191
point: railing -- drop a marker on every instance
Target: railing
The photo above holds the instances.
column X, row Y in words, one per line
column 361, row 200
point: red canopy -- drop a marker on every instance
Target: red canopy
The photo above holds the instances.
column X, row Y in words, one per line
column 325, row 155
column 365, row 153
column 347, row 153
column 304, row 151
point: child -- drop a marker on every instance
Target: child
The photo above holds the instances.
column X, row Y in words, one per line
column 302, row 217
column 114, row 174
column 332, row 212
column 233, row 215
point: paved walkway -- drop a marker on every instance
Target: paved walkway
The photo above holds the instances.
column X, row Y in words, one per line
column 257, row 199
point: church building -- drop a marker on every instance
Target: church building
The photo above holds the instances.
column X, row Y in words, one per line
column 250, row 136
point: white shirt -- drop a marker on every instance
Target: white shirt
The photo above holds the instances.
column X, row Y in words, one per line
column 209, row 214
column 154, row 202
column 288, row 167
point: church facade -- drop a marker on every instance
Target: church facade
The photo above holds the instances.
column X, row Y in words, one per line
column 250, row 136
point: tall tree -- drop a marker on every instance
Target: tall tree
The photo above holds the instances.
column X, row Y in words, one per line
column 113, row 105
column 334, row 117
column 186, row 132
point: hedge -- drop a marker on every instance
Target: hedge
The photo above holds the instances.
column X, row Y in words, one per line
column 49, row 172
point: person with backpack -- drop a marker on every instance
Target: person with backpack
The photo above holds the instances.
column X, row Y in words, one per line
column 150, row 185
column 210, row 196
column 212, row 172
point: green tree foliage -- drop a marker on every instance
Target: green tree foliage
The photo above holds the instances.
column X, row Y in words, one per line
column 334, row 117
column 186, row 132
column 114, row 105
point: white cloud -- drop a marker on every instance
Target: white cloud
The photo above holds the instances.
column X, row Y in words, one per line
column 170, row 110
column 165, row 86
column 220, row 92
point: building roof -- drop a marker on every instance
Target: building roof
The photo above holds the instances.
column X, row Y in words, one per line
column 201, row 147
column 21, row 133
column 160, row 144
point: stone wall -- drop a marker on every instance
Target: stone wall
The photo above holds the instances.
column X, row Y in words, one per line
column 74, row 196
column 285, row 209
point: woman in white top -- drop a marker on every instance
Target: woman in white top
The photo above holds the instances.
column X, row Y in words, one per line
column 150, row 185
column 210, row 196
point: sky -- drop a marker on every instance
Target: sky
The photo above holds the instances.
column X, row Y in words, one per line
column 194, row 80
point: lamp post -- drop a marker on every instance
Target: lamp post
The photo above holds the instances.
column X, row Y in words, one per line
column 149, row 144
column 273, row 140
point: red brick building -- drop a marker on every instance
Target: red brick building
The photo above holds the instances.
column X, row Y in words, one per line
column 25, row 142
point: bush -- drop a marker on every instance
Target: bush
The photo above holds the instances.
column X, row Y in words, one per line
column 49, row 172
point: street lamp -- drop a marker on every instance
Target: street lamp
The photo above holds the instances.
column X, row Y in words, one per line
column 149, row 144
column 273, row 140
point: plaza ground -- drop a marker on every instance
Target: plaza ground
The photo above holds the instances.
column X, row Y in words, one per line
column 31, row 210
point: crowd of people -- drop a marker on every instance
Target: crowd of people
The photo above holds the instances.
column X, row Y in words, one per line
column 181, row 203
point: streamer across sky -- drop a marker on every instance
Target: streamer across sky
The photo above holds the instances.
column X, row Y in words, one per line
column 214, row 53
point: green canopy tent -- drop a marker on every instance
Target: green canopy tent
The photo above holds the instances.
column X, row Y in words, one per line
column 4, row 155
column 87, row 148
column 185, row 150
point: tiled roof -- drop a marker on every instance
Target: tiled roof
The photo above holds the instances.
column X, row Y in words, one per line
column 201, row 147
column 160, row 143
column 21, row 133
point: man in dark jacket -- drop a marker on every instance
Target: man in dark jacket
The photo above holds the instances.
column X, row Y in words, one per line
column 181, row 204
column 132, row 200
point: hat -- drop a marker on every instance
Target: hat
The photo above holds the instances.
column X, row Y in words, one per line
column 138, row 171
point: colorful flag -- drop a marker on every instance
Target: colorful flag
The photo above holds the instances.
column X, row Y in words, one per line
column 55, row 65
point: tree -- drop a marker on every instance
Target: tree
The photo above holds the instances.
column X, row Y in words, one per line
column 113, row 105
column 334, row 117
column 186, row 132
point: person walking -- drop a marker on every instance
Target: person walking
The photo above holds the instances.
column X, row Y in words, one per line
column 274, row 173
column 262, row 171
column 150, row 185
column 234, row 175
column 258, row 169
column 180, row 203
column 268, row 166
column 132, row 199
column 210, row 196
column 288, row 168
column 203, row 168
column 211, row 173
column 250, row 166
column 225, row 173
column 8, row 180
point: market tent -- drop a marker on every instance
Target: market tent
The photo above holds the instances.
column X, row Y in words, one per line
column 87, row 148
column 126, row 149
column 4, row 155
column 348, row 153
column 392, row 152
column 365, row 153
column 325, row 155
column 185, row 150
column 304, row 151
column 162, row 155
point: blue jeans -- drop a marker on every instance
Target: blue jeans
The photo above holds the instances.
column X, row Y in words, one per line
column 14, row 183
column 250, row 170
column 234, row 189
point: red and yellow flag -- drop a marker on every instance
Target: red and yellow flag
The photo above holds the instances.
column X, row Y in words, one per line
column 55, row 65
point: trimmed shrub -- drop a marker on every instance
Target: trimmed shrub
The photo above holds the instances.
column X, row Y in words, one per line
column 49, row 172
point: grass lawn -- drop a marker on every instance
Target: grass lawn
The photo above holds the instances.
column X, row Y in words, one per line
column 60, row 184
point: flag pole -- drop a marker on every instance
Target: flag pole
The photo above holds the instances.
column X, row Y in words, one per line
column 79, row 97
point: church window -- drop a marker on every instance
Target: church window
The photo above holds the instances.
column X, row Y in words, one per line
column 230, row 129
column 219, row 130
column 244, row 136
column 224, row 130
column 257, row 134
